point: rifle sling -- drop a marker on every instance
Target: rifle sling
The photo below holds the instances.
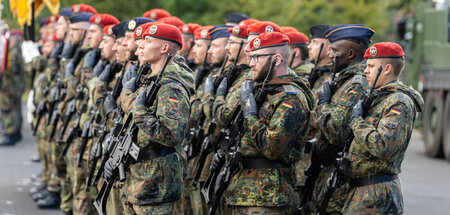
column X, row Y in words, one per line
column 153, row 153
column 261, row 163
column 372, row 179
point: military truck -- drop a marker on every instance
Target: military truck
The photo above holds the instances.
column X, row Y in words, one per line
column 428, row 63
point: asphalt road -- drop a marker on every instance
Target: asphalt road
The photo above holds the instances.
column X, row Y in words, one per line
column 426, row 184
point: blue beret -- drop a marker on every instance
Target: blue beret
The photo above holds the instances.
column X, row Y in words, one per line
column 65, row 11
column 80, row 17
column 119, row 29
column 135, row 22
column 42, row 21
column 361, row 33
column 318, row 31
column 235, row 17
column 219, row 31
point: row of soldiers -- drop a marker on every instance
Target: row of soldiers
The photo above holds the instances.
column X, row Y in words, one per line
column 154, row 116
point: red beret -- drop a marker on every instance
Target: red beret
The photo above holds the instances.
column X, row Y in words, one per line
column 266, row 40
column 140, row 30
column 239, row 31
column 297, row 37
column 258, row 28
column 189, row 28
column 84, row 8
column 107, row 30
column 247, row 22
column 202, row 32
column 164, row 32
column 52, row 19
column 171, row 20
column 384, row 50
column 156, row 14
column 52, row 37
column 287, row 29
column 104, row 19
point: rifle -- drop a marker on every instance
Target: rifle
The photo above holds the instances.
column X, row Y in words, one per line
column 68, row 115
column 292, row 59
column 40, row 110
column 118, row 87
column 55, row 114
column 126, row 148
column 313, row 76
column 102, row 134
column 86, row 134
column 201, row 72
column 337, row 177
column 186, row 55
column 231, row 153
column 143, row 70
column 73, row 132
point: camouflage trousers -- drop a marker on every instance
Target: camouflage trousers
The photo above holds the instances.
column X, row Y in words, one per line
column 381, row 198
column 114, row 205
column 161, row 209
column 42, row 149
column 11, row 113
column 191, row 201
column 241, row 210
column 338, row 198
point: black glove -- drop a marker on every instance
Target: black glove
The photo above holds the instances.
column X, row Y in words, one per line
column 140, row 100
column 109, row 168
column 108, row 142
column 250, row 108
column 57, row 50
column 90, row 58
column 209, row 85
column 196, row 76
column 130, row 85
column 68, row 50
column 109, row 104
column 223, row 87
column 93, row 152
column 325, row 93
column 246, row 90
column 358, row 110
column 98, row 69
column 129, row 74
column 70, row 67
column 105, row 74
column 216, row 162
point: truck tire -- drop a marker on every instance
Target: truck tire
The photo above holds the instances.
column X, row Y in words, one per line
column 446, row 128
column 432, row 124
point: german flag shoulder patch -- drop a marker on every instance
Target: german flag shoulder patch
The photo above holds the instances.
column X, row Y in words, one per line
column 173, row 99
column 396, row 111
column 285, row 104
column 352, row 92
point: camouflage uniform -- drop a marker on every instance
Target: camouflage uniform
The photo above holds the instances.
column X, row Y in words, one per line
column 278, row 134
column 332, row 120
column 379, row 146
column 303, row 69
column 11, row 89
column 161, row 126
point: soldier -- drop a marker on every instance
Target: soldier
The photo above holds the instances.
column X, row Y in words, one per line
column 274, row 132
column 258, row 28
column 154, row 181
column 11, row 89
column 336, row 98
column 298, row 45
column 382, row 125
column 188, row 39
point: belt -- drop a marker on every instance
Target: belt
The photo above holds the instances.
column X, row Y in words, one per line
column 260, row 163
column 153, row 153
column 371, row 179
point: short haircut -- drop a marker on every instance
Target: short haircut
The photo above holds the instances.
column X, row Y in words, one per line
column 397, row 64
column 303, row 49
column 283, row 51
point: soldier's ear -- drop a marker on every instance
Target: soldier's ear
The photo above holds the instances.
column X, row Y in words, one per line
column 165, row 48
column 351, row 54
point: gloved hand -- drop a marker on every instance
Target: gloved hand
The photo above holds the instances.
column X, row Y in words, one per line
column 209, row 85
column 358, row 110
column 140, row 100
column 196, row 76
column 109, row 104
column 98, row 69
column 130, row 85
column 250, row 108
column 68, row 49
column 223, row 87
column 325, row 93
column 109, row 168
column 57, row 50
column 105, row 76
column 107, row 144
column 70, row 67
column 216, row 162
column 129, row 74
column 116, row 67
column 246, row 90
column 93, row 152
column 90, row 58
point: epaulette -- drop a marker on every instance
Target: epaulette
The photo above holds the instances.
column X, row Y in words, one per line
column 358, row 79
column 289, row 90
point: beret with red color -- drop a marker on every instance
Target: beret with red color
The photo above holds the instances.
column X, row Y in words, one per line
column 189, row 28
column 202, row 32
column 140, row 30
column 267, row 40
column 258, row 28
column 247, row 22
column 53, row 18
column 83, row 8
column 297, row 38
column 171, row 20
column 239, row 31
column 384, row 50
column 107, row 30
column 286, row 29
column 164, row 32
column 104, row 19
column 156, row 13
